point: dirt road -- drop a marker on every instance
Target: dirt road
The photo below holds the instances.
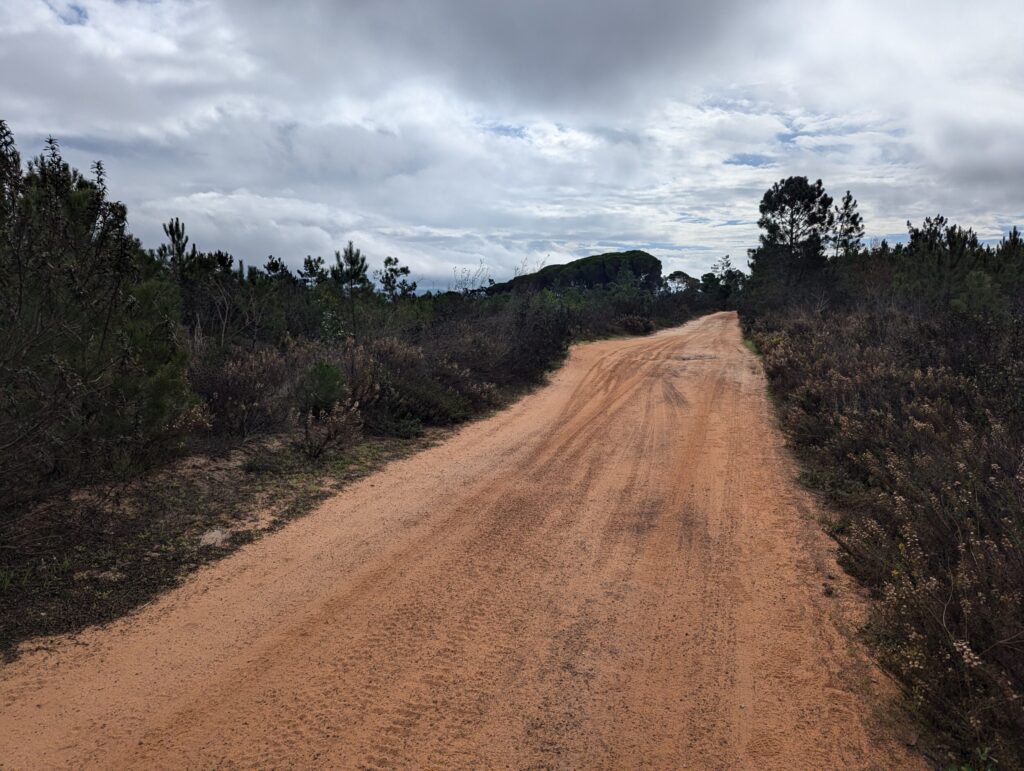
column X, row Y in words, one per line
column 618, row 571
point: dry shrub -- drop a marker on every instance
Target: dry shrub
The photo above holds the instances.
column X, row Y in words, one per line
column 633, row 325
column 900, row 423
column 246, row 392
column 264, row 390
column 340, row 426
column 420, row 388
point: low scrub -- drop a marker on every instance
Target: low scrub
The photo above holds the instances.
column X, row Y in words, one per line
column 914, row 428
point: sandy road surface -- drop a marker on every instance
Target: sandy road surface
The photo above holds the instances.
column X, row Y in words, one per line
column 617, row 571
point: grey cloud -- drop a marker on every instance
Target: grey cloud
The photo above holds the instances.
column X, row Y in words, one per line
column 446, row 132
column 531, row 53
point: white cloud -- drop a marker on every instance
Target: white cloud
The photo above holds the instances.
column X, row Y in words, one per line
column 449, row 132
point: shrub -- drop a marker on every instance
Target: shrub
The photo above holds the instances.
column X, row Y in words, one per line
column 417, row 388
column 899, row 422
column 539, row 335
column 321, row 387
column 634, row 325
column 339, row 426
column 247, row 392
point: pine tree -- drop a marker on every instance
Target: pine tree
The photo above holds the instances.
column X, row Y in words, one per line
column 92, row 371
column 795, row 214
column 392, row 280
column 849, row 227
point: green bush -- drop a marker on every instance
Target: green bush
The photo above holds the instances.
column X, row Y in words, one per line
column 321, row 387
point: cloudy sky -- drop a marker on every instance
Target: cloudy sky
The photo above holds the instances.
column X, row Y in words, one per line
column 450, row 132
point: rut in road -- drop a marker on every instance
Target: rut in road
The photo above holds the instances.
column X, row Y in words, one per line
column 618, row 571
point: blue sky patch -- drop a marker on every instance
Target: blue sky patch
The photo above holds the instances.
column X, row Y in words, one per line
column 72, row 14
column 749, row 159
column 506, row 130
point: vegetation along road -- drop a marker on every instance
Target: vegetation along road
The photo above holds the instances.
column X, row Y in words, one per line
column 617, row 571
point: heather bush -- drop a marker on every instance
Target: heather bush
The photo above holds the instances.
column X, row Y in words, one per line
column 915, row 435
column 337, row 426
column 417, row 389
column 246, row 392
column 634, row 325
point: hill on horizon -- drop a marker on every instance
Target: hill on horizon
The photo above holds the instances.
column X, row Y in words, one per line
column 588, row 272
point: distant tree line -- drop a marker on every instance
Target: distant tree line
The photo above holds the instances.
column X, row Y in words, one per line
column 900, row 376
